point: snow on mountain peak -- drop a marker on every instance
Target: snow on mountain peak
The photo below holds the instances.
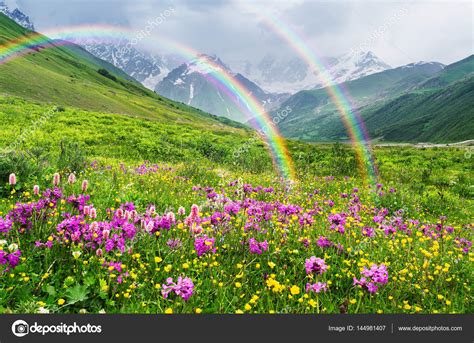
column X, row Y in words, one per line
column 18, row 16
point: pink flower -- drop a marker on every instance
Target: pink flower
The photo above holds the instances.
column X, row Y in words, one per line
column 315, row 265
column 36, row 190
column 56, row 179
column 184, row 287
column 71, row 179
column 181, row 211
column 204, row 244
column 316, row 287
column 195, row 211
column 85, row 184
column 12, row 179
column 373, row 278
column 257, row 247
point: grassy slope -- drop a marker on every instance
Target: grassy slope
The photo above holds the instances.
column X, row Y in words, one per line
column 314, row 114
column 438, row 109
column 68, row 76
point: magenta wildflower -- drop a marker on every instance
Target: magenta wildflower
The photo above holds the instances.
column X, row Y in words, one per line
column 324, row 242
column 373, row 278
column 184, row 287
column 204, row 244
column 368, row 232
column 315, row 265
column 5, row 225
column 257, row 247
column 317, row 287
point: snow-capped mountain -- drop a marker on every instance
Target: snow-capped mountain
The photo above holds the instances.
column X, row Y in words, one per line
column 18, row 16
column 146, row 68
column 192, row 84
column 355, row 65
column 293, row 74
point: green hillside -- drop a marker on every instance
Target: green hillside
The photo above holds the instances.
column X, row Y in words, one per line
column 70, row 76
column 442, row 116
column 314, row 113
column 418, row 102
column 452, row 73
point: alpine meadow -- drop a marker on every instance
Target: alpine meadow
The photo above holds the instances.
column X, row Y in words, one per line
column 138, row 181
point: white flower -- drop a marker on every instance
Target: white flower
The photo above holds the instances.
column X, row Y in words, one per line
column 43, row 310
column 2, row 242
column 76, row 254
column 13, row 247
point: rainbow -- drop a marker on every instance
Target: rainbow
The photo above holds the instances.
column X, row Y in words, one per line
column 232, row 87
column 340, row 96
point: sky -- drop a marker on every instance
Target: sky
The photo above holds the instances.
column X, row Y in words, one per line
column 399, row 32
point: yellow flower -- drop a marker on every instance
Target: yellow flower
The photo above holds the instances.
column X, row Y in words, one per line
column 271, row 265
column 238, row 284
column 168, row 268
column 198, row 310
column 312, row 303
column 247, row 307
column 158, row 259
column 185, row 266
column 239, row 312
column 440, row 297
column 448, row 302
column 295, row 290
column 353, row 301
column 61, row 301
column 169, row 310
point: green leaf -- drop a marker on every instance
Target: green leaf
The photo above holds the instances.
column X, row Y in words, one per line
column 50, row 290
column 77, row 293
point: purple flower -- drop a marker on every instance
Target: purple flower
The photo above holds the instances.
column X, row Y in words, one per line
column 373, row 278
column 316, row 287
column 204, row 244
column 324, row 242
column 174, row 244
column 315, row 265
column 184, row 287
column 5, row 225
column 368, row 232
column 257, row 247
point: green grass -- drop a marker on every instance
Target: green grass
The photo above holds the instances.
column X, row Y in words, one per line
column 61, row 116
column 69, row 76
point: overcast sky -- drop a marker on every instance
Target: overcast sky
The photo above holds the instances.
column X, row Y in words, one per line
column 398, row 32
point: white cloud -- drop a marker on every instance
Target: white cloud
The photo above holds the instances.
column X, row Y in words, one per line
column 430, row 30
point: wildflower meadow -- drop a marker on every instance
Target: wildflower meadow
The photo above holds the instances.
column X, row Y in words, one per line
column 155, row 238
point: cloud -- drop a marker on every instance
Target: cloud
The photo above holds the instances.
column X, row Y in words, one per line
column 426, row 30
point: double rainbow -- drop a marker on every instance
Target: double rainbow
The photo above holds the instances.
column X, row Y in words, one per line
column 339, row 95
column 233, row 88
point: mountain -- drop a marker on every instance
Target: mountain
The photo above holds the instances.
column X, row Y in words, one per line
column 419, row 102
column 18, row 16
column 452, row 73
column 314, row 114
column 191, row 84
column 148, row 69
column 280, row 75
column 70, row 76
column 440, row 116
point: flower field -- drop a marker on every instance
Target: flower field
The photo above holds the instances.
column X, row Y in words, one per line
column 158, row 239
